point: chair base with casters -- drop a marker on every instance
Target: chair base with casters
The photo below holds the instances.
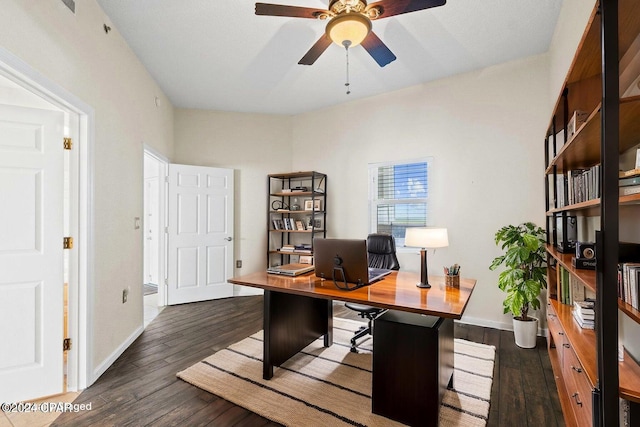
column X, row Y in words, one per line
column 381, row 253
column 366, row 312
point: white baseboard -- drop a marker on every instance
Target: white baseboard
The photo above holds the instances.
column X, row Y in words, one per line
column 101, row 369
column 505, row 326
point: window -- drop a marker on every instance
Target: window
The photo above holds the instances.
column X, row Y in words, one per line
column 398, row 197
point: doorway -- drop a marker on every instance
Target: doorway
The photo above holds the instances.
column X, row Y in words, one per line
column 153, row 283
column 25, row 90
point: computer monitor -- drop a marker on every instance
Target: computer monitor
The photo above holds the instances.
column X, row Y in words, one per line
column 344, row 260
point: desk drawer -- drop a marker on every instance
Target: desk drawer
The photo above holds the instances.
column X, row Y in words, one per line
column 578, row 387
column 556, row 337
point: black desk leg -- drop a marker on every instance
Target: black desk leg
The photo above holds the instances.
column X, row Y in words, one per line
column 292, row 322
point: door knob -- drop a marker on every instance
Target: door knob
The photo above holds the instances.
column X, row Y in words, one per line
column 228, row 239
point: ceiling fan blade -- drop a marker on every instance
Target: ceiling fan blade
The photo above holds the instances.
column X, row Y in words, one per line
column 290, row 11
column 378, row 50
column 316, row 50
column 396, row 7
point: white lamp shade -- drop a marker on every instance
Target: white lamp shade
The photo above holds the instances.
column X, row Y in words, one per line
column 426, row 237
column 353, row 27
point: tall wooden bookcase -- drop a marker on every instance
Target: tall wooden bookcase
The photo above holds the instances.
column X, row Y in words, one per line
column 589, row 377
column 297, row 213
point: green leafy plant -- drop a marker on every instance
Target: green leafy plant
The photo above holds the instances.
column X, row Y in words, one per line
column 525, row 273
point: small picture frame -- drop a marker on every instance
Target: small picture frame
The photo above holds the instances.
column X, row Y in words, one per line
column 308, row 205
column 300, row 225
column 317, row 224
column 317, row 205
column 306, row 259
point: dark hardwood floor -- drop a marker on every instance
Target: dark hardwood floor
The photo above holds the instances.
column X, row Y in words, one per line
column 141, row 388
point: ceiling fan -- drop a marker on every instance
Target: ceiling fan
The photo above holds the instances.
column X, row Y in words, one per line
column 349, row 23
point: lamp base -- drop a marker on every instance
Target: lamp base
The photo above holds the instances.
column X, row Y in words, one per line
column 423, row 285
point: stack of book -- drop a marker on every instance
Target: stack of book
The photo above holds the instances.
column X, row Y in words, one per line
column 287, row 248
column 629, row 182
column 584, row 313
column 304, row 248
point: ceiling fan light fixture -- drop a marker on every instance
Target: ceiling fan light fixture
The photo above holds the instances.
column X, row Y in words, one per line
column 351, row 26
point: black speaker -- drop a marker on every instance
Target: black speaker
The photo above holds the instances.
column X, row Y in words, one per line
column 566, row 233
column 585, row 250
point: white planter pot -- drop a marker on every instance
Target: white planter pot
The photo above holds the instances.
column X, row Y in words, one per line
column 526, row 333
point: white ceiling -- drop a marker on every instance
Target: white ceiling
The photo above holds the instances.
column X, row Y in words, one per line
column 218, row 55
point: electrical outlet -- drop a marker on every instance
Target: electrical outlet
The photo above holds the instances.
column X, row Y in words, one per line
column 239, row 263
column 125, row 295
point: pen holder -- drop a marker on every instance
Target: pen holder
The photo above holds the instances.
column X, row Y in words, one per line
column 453, row 281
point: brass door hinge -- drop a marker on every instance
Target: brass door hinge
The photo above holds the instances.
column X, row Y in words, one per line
column 66, row 344
column 68, row 143
column 67, row 243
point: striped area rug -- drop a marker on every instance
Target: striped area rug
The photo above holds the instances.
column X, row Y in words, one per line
column 332, row 386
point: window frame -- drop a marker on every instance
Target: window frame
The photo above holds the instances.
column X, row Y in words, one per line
column 374, row 201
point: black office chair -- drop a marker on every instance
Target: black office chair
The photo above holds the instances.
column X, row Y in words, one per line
column 381, row 249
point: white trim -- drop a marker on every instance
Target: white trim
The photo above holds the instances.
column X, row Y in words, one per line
column 163, row 221
column 106, row 363
column 495, row 325
column 372, row 169
column 81, row 289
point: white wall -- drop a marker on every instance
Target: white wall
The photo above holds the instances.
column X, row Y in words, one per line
column 254, row 145
column 485, row 132
column 74, row 52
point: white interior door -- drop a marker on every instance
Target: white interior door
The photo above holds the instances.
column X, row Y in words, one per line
column 31, row 254
column 200, row 233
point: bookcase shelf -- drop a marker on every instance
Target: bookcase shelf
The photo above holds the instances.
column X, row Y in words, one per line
column 305, row 221
column 629, row 310
column 595, row 146
column 586, row 277
column 583, row 149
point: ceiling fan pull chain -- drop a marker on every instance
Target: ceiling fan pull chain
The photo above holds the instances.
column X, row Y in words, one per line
column 346, row 44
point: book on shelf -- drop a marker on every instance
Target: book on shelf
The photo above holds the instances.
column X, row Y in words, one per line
column 628, row 283
column 287, row 248
column 584, row 313
column 304, row 247
column 583, row 184
column 585, row 309
column 627, row 191
column 627, row 182
column 583, row 323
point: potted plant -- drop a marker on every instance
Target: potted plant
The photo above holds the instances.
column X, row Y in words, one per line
column 524, row 276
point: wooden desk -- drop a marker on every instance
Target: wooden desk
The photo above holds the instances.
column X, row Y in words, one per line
column 285, row 315
column 299, row 310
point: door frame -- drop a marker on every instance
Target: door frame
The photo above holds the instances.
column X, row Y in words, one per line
column 162, row 220
column 80, row 372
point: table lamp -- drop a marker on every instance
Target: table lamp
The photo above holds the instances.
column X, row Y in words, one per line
column 425, row 238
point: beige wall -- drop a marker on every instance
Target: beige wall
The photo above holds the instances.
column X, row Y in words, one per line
column 484, row 130
column 74, row 52
column 254, row 145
